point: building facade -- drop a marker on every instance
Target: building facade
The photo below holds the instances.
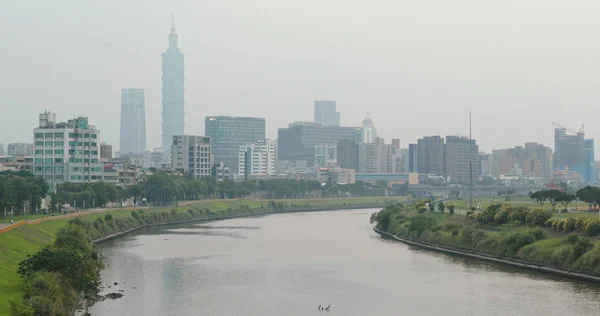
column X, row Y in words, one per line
column 430, row 155
column 326, row 113
column 347, row 154
column 228, row 133
column 369, row 132
column 372, row 157
column 2, row 149
column 590, row 173
column 133, row 121
column 67, row 151
column 325, row 155
column 257, row 159
column 461, row 159
column 192, row 155
column 296, row 143
column 19, row 149
column 412, row 158
column 569, row 151
column 173, row 112
column 106, row 152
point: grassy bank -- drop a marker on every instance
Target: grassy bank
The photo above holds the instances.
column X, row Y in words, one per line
column 501, row 230
column 27, row 240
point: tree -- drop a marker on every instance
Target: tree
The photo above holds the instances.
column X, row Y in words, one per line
column 451, row 209
column 552, row 195
column 441, row 207
column 431, row 207
column 565, row 199
column 589, row 194
column 540, row 197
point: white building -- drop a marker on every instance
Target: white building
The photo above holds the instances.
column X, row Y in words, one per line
column 325, row 155
column 67, row 152
column 19, row 149
column 192, row 155
column 257, row 159
column 369, row 132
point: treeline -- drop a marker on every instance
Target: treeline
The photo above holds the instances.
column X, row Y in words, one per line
column 588, row 194
column 20, row 191
column 56, row 276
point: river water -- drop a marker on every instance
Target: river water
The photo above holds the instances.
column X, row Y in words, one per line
column 289, row 264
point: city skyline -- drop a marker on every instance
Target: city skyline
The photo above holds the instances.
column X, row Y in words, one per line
column 518, row 91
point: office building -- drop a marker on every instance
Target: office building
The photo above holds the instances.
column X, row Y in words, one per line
column 67, row 151
column 228, row 133
column 220, row 172
column 172, row 92
column 257, row 159
column 326, row 113
column 590, row 173
column 296, row 143
column 325, row 155
column 430, row 155
column 412, row 158
column 2, row 149
column 369, row 132
column 106, row 152
column 461, row 159
column 133, row 121
column 569, row 151
column 192, row 155
column 19, row 149
column 347, row 154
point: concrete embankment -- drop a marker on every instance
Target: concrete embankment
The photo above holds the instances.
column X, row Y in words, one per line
column 493, row 258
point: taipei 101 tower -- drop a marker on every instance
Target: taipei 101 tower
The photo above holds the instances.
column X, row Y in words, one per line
column 172, row 92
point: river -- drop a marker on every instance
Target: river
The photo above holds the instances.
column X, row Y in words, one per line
column 289, row 264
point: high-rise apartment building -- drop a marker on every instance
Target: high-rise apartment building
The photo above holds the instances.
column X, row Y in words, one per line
column 19, row 149
column 257, row 159
column 461, row 159
column 372, row 157
column 172, row 92
column 590, row 170
column 393, row 160
column 133, row 121
column 369, row 132
column 430, row 155
column 347, row 154
column 67, row 151
column 228, row 133
column 296, row 143
column 192, row 155
column 326, row 113
column 412, row 158
column 325, row 155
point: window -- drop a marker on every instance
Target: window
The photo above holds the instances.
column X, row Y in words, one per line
column 48, row 161
column 72, row 143
column 39, row 152
column 94, row 144
column 86, row 135
column 75, row 177
column 94, row 136
column 49, row 169
column 39, row 161
column 59, row 143
column 59, row 152
column 49, row 144
column 75, row 169
column 58, row 169
column 39, row 144
column 49, row 151
column 86, row 144
column 59, row 135
column 72, row 135
column 94, row 152
column 94, row 160
column 39, row 169
column 58, row 160
column 39, row 135
column 49, row 135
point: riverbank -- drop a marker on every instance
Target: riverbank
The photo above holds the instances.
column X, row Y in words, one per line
column 522, row 237
column 17, row 244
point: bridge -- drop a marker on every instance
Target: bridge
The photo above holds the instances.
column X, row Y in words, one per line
column 477, row 190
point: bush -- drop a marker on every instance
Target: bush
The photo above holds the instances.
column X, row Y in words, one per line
column 108, row 217
column 591, row 226
column 419, row 224
column 135, row 215
column 537, row 217
column 173, row 212
column 502, row 216
column 570, row 225
column 441, row 207
column 192, row 212
column 422, row 209
column 451, row 209
column 518, row 214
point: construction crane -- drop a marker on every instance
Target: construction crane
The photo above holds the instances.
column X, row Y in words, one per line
column 581, row 131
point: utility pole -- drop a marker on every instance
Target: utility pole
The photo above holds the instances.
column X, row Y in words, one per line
column 470, row 165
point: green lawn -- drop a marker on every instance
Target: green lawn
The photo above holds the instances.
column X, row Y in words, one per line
column 15, row 245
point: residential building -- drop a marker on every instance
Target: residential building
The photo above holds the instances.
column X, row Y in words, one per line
column 106, row 152
column 372, row 157
column 347, row 154
column 369, row 132
column 343, row 175
column 569, row 151
column 1, row 149
column 325, row 155
column 430, row 155
column 173, row 111
column 19, row 149
column 393, row 160
column 412, row 158
column 220, row 172
column 532, row 160
column 461, row 159
column 228, row 133
column 67, row 151
column 133, row 121
column 192, row 155
column 16, row 163
column 326, row 113
column 257, row 159
column 484, row 164
column 296, row 143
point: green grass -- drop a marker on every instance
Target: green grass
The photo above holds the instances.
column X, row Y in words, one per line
column 15, row 245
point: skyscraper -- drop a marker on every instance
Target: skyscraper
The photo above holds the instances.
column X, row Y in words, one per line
column 172, row 92
column 133, row 121
column 461, row 158
column 430, row 155
column 326, row 113
column 369, row 132
column 228, row 133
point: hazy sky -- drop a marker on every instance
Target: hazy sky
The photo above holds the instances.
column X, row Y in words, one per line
column 417, row 66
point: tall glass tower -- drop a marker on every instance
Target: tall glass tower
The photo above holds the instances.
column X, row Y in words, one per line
column 133, row 121
column 172, row 92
